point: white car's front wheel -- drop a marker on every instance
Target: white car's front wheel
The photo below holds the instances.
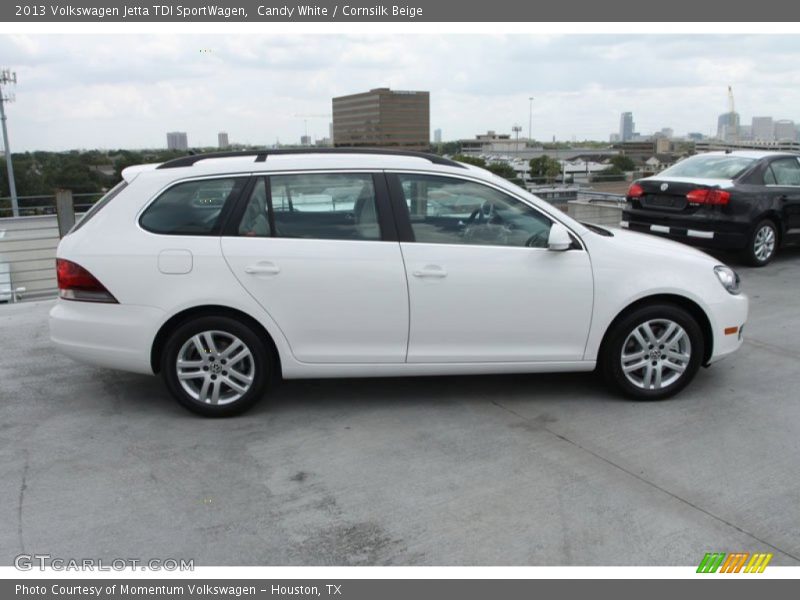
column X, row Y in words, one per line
column 653, row 352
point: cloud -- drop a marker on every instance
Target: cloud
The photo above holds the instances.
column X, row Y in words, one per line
column 84, row 91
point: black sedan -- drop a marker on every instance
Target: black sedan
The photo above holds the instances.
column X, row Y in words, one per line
column 735, row 200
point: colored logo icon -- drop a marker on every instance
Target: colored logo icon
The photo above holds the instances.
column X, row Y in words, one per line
column 736, row 562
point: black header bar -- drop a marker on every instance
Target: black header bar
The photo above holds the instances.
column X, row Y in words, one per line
column 410, row 11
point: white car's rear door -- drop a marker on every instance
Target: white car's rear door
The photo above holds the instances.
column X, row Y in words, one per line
column 322, row 264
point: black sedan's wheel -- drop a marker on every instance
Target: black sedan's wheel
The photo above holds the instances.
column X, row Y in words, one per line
column 653, row 352
column 762, row 245
column 215, row 366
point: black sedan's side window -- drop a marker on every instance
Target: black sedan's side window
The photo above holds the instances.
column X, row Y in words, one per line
column 783, row 171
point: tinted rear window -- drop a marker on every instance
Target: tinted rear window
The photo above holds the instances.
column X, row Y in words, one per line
column 710, row 166
column 191, row 207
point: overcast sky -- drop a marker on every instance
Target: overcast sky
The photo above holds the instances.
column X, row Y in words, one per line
column 90, row 91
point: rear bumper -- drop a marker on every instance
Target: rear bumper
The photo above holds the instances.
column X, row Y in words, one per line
column 702, row 232
column 115, row 336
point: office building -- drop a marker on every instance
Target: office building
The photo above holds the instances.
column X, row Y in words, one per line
column 778, row 146
column 222, row 140
column 437, row 136
column 492, row 143
column 626, row 127
column 745, row 133
column 763, row 129
column 785, row 130
column 177, row 140
column 728, row 126
column 382, row 118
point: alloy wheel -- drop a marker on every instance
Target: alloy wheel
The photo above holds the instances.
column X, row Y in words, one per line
column 764, row 243
column 215, row 367
column 655, row 354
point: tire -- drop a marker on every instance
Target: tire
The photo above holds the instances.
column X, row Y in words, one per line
column 219, row 381
column 762, row 245
column 661, row 373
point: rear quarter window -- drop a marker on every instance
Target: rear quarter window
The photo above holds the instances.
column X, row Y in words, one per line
column 98, row 206
column 192, row 207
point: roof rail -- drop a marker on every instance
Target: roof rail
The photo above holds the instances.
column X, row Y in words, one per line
column 261, row 155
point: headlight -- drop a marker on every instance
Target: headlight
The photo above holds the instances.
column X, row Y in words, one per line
column 728, row 278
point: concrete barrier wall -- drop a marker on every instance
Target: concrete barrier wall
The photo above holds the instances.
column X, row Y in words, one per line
column 28, row 247
column 598, row 212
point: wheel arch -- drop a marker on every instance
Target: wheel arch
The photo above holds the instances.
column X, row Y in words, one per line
column 687, row 304
column 771, row 215
column 208, row 310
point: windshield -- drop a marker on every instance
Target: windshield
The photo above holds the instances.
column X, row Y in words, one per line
column 710, row 166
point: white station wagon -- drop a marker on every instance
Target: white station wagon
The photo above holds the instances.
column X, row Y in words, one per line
column 223, row 272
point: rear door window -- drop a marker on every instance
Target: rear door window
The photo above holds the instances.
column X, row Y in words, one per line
column 785, row 171
column 325, row 206
column 192, row 207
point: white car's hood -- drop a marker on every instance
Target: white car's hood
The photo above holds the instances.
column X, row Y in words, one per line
column 637, row 244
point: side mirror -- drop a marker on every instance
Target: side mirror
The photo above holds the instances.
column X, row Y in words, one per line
column 559, row 238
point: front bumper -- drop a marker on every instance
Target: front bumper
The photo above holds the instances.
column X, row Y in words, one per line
column 115, row 336
column 724, row 316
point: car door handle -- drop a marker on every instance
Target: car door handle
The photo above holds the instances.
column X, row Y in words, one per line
column 431, row 271
column 262, row 269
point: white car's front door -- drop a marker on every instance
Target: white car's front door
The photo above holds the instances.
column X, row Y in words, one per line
column 317, row 265
column 483, row 286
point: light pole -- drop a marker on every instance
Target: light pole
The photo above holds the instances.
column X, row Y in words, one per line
column 516, row 129
column 530, row 119
column 7, row 77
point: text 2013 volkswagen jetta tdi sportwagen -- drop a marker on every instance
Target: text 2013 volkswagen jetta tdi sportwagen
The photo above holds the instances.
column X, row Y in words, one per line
column 222, row 271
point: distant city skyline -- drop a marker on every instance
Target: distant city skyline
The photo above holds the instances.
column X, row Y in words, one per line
column 177, row 140
column 127, row 91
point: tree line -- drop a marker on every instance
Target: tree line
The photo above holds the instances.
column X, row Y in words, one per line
column 84, row 172
column 94, row 171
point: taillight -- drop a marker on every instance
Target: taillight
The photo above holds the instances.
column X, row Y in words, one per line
column 635, row 191
column 76, row 283
column 708, row 196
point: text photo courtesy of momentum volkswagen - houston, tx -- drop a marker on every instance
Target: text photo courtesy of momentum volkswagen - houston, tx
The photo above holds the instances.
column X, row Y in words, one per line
column 292, row 297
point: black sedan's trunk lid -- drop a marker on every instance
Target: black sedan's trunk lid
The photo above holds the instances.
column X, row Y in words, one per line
column 669, row 195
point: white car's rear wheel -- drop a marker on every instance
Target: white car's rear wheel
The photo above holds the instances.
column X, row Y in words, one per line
column 215, row 366
column 653, row 352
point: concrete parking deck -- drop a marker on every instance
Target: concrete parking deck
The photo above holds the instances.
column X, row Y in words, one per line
column 520, row 470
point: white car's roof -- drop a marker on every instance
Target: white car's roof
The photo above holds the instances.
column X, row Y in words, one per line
column 130, row 173
column 754, row 154
column 214, row 165
column 209, row 165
